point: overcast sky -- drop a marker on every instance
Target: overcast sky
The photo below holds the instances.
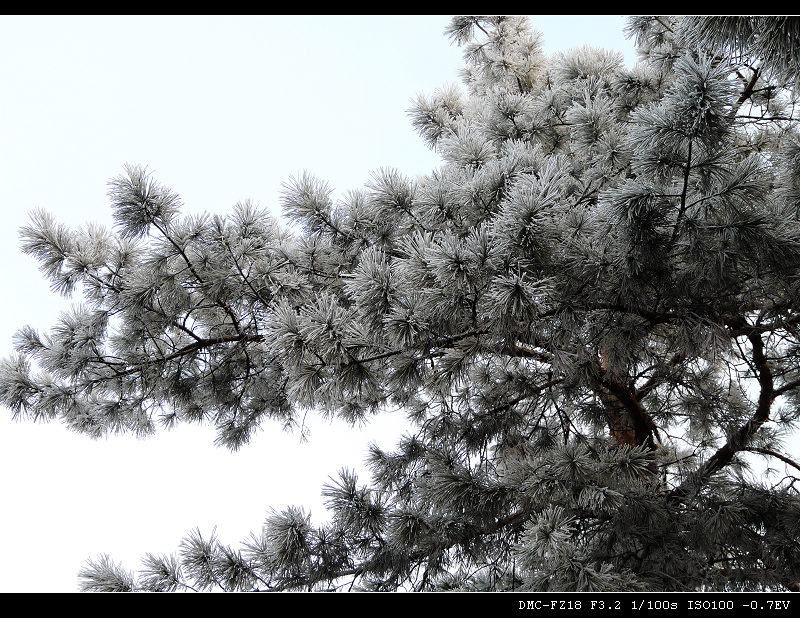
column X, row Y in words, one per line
column 221, row 109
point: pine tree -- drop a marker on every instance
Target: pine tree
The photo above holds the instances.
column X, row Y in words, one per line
column 589, row 314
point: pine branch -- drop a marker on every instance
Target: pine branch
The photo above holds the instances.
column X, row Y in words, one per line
column 684, row 192
column 746, row 93
column 739, row 439
column 659, row 376
column 771, row 453
column 200, row 344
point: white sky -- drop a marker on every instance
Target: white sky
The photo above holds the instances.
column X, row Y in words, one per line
column 222, row 109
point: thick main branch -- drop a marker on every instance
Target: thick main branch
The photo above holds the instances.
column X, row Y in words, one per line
column 739, row 440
